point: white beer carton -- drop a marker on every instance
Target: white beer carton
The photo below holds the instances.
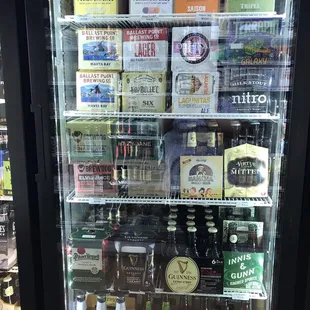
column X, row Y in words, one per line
column 145, row 49
column 151, row 7
column 195, row 92
column 100, row 49
column 194, row 49
column 97, row 91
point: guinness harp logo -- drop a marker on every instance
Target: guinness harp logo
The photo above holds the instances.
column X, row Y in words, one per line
column 182, row 275
column 133, row 259
column 182, row 266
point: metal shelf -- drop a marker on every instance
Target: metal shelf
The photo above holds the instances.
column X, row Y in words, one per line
column 173, row 199
column 245, row 116
column 160, row 20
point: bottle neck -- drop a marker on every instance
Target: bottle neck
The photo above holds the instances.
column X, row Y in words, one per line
column 171, row 237
column 192, row 240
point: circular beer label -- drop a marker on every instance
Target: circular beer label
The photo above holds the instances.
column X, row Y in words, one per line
column 182, row 275
column 195, row 48
column 233, row 238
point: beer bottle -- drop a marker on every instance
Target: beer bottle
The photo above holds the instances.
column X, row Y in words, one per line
column 81, row 302
column 213, row 250
column 7, row 290
column 208, row 211
column 252, row 238
column 190, row 217
column 148, row 302
column 190, row 224
column 165, row 303
column 236, row 126
column 101, row 303
column 255, row 132
column 173, row 216
column 209, row 218
column 247, row 215
column 171, row 249
column 191, row 250
column 172, row 223
column 211, row 138
column 174, row 209
column 120, row 303
column 245, row 305
column 229, row 214
column 121, row 215
column 184, row 303
column 232, row 237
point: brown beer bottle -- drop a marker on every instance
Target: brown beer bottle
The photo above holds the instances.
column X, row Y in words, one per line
column 191, row 250
column 252, row 238
column 171, row 249
column 213, row 250
column 232, row 237
column 7, row 290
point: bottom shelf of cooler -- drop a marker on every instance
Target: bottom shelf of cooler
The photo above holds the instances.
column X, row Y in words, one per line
column 172, row 199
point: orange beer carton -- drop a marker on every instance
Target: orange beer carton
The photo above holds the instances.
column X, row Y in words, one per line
column 196, row 6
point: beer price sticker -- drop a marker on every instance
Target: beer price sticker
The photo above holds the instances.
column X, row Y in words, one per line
column 97, row 201
column 182, row 275
column 244, row 204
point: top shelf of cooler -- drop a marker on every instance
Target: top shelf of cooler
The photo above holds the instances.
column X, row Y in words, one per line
column 158, row 20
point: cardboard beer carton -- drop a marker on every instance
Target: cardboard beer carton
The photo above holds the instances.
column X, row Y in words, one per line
column 194, row 49
column 97, row 91
column 7, row 178
column 100, row 49
column 144, row 92
column 94, row 179
column 253, row 41
column 93, row 7
column 201, row 176
column 195, row 92
column 196, row 6
column 250, row 5
column 151, row 7
column 88, row 140
column 145, row 49
column 246, row 171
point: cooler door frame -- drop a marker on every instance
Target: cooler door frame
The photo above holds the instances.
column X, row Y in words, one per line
column 286, row 280
column 22, row 148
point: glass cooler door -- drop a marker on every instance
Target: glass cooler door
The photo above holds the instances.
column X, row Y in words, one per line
column 170, row 125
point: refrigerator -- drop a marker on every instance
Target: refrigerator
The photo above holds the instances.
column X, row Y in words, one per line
column 172, row 145
column 20, row 262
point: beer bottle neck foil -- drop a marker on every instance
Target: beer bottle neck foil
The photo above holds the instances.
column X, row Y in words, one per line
column 81, row 302
column 120, row 303
column 101, row 303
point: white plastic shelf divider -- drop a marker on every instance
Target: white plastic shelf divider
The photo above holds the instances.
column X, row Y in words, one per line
column 236, row 202
column 246, row 116
column 162, row 20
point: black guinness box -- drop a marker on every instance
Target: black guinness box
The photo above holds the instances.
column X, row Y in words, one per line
column 194, row 275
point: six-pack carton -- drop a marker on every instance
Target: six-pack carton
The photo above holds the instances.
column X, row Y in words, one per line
column 100, row 49
column 145, row 49
column 93, row 7
column 151, row 6
column 196, row 6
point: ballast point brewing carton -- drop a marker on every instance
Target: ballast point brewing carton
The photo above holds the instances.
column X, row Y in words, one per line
column 145, row 49
column 97, row 91
column 100, row 49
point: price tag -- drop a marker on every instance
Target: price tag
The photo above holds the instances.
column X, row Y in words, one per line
column 149, row 18
column 244, row 204
column 96, row 201
column 240, row 297
column 203, row 17
column 82, row 18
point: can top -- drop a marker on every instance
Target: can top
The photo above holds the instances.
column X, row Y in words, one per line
column 212, row 230
column 210, row 224
column 172, row 223
column 171, row 228
column 191, row 229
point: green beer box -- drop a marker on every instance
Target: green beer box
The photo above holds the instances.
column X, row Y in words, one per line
column 250, row 5
column 88, row 140
column 90, row 265
column 243, row 272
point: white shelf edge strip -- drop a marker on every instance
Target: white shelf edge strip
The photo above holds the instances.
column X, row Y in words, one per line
column 238, row 202
column 173, row 115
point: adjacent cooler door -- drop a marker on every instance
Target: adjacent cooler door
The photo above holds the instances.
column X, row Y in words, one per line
column 169, row 139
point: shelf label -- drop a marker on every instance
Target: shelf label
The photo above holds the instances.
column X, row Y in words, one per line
column 244, row 204
column 203, row 17
column 150, row 18
column 83, row 18
column 97, row 201
column 240, row 296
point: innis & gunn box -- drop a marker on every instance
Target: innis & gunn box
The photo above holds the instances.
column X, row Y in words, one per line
column 144, row 92
column 145, row 49
column 100, row 49
column 97, row 91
